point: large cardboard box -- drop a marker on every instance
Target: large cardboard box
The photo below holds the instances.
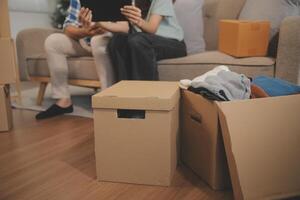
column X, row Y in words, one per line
column 4, row 19
column 8, row 63
column 242, row 38
column 201, row 140
column 5, row 109
column 261, row 138
column 136, row 129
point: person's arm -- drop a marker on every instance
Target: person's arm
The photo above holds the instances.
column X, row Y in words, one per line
column 88, row 28
column 120, row 26
column 133, row 14
column 76, row 33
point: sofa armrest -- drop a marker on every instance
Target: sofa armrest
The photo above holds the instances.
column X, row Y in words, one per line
column 30, row 42
column 288, row 54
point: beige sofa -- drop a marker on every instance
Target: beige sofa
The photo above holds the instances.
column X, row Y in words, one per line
column 32, row 62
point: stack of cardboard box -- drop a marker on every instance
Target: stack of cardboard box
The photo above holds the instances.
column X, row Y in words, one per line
column 7, row 67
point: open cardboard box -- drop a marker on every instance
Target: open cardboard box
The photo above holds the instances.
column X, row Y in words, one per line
column 262, row 144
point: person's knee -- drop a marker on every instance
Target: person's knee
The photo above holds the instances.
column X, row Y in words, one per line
column 99, row 40
column 98, row 44
column 54, row 42
column 138, row 40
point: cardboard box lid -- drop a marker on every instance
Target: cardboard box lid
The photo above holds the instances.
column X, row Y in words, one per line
column 140, row 95
column 262, row 142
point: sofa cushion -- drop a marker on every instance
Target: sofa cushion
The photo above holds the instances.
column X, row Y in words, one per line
column 79, row 68
column 194, row 65
column 169, row 70
column 219, row 58
column 190, row 17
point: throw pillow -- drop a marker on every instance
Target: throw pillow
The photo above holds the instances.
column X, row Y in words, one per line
column 189, row 16
column 294, row 7
column 274, row 11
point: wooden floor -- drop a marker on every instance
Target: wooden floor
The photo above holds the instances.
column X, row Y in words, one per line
column 54, row 159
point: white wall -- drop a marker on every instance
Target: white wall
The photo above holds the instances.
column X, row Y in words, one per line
column 30, row 13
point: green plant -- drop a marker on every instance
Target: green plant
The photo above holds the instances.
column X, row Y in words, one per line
column 60, row 13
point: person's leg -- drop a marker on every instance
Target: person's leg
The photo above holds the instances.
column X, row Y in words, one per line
column 146, row 49
column 58, row 46
column 103, row 65
column 118, row 52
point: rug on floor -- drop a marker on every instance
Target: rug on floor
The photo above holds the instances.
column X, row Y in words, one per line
column 81, row 98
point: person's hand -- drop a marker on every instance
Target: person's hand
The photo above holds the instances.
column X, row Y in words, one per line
column 133, row 14
column 95, row 29
column 85, row 17
column 91, row 28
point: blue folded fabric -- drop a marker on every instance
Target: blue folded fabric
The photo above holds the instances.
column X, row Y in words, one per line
column 276, row 87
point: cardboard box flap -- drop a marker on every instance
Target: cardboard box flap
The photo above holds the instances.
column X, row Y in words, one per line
column 261, row 139
column 139, row 95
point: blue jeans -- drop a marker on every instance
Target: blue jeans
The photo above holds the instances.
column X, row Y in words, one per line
column 134, row 56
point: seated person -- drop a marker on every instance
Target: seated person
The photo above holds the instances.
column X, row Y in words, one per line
column 80, row 38
column 134, row 49
column 156, row 36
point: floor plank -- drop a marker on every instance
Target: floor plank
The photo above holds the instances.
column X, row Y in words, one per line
column 54, row 159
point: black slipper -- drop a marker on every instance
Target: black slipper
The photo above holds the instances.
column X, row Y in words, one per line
column 53, row 111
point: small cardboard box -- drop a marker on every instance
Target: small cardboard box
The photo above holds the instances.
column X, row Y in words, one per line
column 5, row 109
column 4, row 19
column 261, row 138
column 8, row 62
column 241, row 38
column 201, row 140
column 136, row 129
